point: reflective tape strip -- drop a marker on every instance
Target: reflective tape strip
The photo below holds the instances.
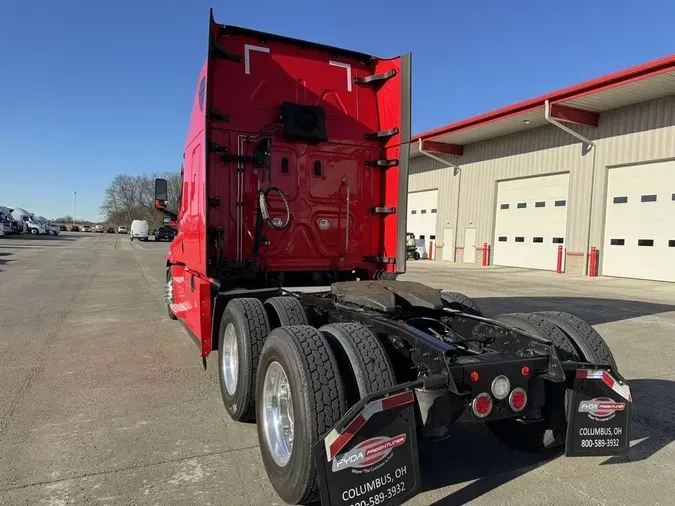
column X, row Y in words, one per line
column 336, row 441
column 600, row 374
column 179, row 308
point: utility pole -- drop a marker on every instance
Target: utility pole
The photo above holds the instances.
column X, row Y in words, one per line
column 75, row 208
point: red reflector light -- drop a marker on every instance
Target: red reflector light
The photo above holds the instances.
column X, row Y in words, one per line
column 517, row 399
column 474, row 377
column 525, row 371
column 482, row 405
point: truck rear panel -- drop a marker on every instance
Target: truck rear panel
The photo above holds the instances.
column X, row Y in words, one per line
column 346, row 191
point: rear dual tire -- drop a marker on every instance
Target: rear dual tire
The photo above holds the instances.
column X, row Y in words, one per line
column 294, row 379
column 318, row 402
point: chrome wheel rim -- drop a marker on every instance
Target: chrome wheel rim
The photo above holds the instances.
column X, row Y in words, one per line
column 230, row 363
column 277, row 407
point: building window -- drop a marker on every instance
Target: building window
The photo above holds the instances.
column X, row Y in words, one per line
column 560, row 203
column 423, row 211
column 645, row 242
column 673, row 197
column 520, row 239
column 502, row 238
column 620, row 200
column 506, row 206
column 537, row 239
column 432, row 237
column 434, row 211
column 557, row 240
column 671, row 243
column 522, row 205
column 617, row 242
column 540, row 204
column 414, row 211
column 422, row 237
column 648, row 198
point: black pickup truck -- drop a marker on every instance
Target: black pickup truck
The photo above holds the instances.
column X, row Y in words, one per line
column 165, row 234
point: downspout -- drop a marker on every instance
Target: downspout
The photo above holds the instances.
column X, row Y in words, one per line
column 458, row 170
column 590, row 143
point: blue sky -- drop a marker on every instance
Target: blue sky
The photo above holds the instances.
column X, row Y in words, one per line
column 92, row 89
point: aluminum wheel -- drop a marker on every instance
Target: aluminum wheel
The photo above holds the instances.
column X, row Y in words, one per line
column 230, row 362
column 277, row 404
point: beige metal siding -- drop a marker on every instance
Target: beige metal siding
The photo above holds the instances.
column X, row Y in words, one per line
column 631, row 134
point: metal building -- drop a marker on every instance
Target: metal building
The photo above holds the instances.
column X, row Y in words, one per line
column 590, row 166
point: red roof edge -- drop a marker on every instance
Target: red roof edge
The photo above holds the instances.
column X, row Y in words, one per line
column 577, row 90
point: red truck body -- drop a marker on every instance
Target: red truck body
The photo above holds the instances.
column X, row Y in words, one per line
column 345, row 182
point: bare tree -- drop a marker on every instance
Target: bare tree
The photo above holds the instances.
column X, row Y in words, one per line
column 131, row 198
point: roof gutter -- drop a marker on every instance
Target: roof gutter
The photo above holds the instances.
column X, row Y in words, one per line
column 590, row 144
column 457, row 171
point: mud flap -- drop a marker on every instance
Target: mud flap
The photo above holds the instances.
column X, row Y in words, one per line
column 370, row 457
column 599, row 414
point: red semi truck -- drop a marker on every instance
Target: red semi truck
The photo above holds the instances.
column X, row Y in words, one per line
column 291, row 233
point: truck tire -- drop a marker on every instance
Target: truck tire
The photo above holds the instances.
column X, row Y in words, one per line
column 169, row 290
column 285, row 311
column 460, row 302
column 305, row 367
column 550, row 432
column 243, row 329
column 416, row 255
column 589, row 343
column 34, row 231
column 364, row 365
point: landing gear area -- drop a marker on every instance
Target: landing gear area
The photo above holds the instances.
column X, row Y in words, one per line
column 342, row 383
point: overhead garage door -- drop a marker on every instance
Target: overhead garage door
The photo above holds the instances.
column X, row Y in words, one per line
column 530, row 221
column 422, row 212
column 639, row 232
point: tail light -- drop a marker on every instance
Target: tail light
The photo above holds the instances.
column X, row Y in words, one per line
column 518, row 399
column 482, row 405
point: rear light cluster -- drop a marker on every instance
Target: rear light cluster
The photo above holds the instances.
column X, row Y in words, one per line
column 501, row 389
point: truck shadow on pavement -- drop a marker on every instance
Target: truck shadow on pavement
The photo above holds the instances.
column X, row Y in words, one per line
column 594, row 310
column 3, row 259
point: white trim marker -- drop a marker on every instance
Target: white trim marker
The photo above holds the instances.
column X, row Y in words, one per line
column 346, row 66
column 622, row 389
column 247, row 55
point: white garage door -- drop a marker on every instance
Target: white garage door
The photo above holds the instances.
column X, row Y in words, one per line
column 422, row 212
column 639, row 231
column 530, row 221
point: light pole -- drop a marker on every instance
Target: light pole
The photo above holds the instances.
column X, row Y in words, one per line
column 75, row 208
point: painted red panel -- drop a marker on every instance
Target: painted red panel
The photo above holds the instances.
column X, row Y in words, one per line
column 572, row 115
column 389, row 116
column 441, row 147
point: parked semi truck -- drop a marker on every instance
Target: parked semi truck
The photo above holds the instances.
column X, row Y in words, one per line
column 291, row 234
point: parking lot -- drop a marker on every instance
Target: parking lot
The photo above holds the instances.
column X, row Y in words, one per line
column 104, row 399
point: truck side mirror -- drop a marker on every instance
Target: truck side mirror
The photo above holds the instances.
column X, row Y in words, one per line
column 160, row 193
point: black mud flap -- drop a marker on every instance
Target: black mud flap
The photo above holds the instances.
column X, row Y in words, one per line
column 599, row 415
column 370, row 457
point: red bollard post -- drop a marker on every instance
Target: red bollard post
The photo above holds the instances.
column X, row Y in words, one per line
column 485, row 254
column 592, row 261
column 431, row 250
column 558, row 268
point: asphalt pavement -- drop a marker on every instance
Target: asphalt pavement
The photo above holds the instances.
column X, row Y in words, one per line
column 104, row 399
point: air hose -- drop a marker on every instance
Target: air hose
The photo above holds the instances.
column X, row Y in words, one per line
column 262, row 204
